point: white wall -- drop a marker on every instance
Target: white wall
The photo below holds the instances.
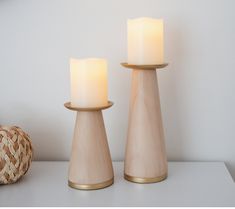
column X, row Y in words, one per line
column 197, row 89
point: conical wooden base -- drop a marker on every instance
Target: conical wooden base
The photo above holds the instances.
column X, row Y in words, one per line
column 90, row 164
column 145, row 159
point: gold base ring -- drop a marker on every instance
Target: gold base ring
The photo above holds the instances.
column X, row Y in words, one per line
column 91, row 186
column 141, row 180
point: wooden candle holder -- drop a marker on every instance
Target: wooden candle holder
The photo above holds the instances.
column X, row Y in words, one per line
column 90, row 164
column 145, row 158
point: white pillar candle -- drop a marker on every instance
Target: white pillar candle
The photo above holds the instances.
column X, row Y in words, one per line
column 88, row 82
column 145, row 41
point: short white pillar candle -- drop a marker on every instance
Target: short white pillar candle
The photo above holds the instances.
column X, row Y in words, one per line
column 88, row 82
column 145, row 41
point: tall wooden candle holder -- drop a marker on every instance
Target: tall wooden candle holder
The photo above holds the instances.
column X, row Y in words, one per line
column 90, row 164
column 145, row 159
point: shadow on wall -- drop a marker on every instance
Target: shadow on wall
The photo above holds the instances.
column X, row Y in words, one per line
column 231, row 169
column 176, row 99
column 44, row 127
column 173, row 107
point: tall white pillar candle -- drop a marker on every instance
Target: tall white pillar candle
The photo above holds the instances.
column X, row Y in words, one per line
column 88, row 82
column 145, row 41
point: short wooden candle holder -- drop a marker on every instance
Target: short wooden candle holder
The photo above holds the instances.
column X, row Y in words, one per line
column 90, row 164
column 145, row 158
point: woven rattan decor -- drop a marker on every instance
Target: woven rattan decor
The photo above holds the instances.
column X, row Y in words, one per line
column 15, row 154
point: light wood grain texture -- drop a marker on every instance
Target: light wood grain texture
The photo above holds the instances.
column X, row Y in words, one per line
column 145, row 149
column 90, row 162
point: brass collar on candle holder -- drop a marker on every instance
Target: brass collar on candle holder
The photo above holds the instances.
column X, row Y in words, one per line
column 144, row 67
column 91, row 186
column 70, row 107
column 141, row 180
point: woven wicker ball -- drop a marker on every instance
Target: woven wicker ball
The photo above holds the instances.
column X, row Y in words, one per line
column 15, row 153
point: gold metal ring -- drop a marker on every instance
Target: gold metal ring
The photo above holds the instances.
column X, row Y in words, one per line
column 141, row 180
column 91, row 186
column 144, row 67
column 87, row 109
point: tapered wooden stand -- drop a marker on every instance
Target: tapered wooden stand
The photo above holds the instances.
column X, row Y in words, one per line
column 145, row 159
column 90, row 164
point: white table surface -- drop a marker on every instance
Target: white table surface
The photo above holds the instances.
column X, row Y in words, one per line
column 188, row 184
